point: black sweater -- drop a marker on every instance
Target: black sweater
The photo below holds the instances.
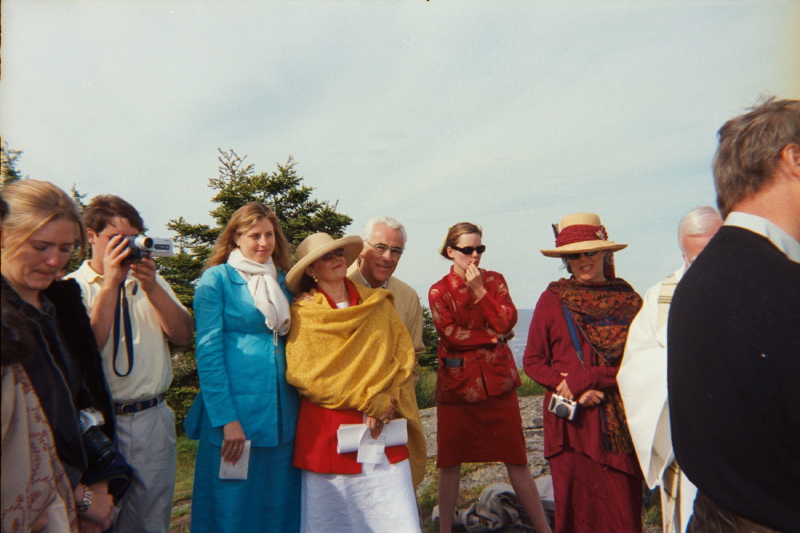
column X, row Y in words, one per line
column 734, row 377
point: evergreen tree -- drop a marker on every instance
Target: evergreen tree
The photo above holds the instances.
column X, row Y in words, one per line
column 8, row 165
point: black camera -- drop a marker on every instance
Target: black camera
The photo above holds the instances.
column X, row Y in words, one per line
column 100, row 451
column 140, row 246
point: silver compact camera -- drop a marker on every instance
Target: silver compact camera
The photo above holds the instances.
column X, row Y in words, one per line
column 562, row 408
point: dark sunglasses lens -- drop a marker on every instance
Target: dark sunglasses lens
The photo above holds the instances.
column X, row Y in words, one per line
column 590, row 254
column 480, row 249
column 573, row 257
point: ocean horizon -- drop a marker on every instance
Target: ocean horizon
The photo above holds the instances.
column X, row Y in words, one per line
column 520, row 340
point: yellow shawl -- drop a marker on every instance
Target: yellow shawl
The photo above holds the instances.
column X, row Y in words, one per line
column 356, row 358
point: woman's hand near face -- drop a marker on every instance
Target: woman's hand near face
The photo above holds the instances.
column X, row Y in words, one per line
column 474, row 282
column 233, row 442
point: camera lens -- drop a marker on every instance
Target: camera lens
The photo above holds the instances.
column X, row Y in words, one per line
column 562, row 411
column 99, row 450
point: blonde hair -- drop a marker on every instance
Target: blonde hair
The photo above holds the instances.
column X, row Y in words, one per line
column 242, row 220
column 32, row 204
column 455, row 232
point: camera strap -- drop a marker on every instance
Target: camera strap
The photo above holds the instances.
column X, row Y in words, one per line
column 123, row 314
column 573, row 333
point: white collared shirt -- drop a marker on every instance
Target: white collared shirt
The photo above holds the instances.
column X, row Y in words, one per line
column 777, row 236
column 152, row 368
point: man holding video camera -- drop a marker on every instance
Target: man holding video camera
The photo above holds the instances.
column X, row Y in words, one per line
column 133, row 314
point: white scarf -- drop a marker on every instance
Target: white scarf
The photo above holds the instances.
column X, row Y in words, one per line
column 262, row 280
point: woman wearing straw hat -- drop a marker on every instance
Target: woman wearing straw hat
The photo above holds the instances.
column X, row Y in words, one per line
column 575, row 345
column 352, row 359
column 242, row 312
column 477, row 409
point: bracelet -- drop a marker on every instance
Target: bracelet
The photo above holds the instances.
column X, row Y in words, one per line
column 87, row 500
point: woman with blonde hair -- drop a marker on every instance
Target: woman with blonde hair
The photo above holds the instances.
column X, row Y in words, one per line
column 352, row 359
column 61, row 361
column 245, row 410
column 477, row 409
column 575, row 346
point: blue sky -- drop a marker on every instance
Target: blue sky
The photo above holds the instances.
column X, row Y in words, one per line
column 509, row 114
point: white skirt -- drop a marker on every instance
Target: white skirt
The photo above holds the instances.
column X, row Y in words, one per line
column 381, row 500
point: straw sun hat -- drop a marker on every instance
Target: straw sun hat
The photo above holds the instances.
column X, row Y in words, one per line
column 581, row 232
column 315, row 246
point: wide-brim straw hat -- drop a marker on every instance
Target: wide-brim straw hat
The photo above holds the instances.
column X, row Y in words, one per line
column 315, row 246
column 581, row 232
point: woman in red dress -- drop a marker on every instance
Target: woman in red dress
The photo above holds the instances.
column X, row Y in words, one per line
column 478, row 417
column 596, row 476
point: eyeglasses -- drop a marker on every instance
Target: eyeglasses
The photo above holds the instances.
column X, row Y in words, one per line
column 467, row 250
column 575, row 257
column 339, row 252
column 383, row 248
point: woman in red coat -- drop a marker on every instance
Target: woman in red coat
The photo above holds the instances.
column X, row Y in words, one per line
column 596, row 476
column 478, row 417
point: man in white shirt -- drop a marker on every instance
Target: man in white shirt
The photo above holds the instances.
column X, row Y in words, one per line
column 133, row 314
column 642, row 378
column 384, row 243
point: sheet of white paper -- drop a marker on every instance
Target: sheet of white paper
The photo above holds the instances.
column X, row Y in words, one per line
column 239, row 470
column 355, row 437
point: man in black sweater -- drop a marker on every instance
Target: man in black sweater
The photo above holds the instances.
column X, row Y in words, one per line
column 734, row 335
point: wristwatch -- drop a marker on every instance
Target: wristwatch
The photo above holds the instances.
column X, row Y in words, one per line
column 86, row 501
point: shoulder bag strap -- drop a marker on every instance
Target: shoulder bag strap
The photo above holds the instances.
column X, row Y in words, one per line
column 573, row 333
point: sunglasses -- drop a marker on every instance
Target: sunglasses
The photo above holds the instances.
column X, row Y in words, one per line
column 467, row 250
column 339, row 252
column 575, row 257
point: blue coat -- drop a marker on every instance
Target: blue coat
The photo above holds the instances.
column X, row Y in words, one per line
column 242, row 372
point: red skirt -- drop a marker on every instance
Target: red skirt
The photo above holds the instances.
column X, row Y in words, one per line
column 480, row 432
column 594, row 498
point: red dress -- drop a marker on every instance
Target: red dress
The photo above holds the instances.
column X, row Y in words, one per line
column 478, row 417
column 595, row 490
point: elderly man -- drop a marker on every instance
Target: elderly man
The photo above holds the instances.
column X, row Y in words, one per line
column 384, row 242
column 734, row 335
column 642, row 378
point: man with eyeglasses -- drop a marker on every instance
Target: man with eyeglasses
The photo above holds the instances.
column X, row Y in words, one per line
column 384, row 243
column 642, row 378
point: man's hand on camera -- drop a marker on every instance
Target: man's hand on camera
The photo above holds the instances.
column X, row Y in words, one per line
column 145, row 273
column 115, row 265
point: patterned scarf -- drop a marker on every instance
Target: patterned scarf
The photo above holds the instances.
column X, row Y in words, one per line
column 604, row 312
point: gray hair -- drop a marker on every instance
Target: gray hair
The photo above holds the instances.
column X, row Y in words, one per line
column 389, row 222
column 699, row 221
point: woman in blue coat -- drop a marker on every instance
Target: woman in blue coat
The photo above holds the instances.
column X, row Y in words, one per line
column 242, row 312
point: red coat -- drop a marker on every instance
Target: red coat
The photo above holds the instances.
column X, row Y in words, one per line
column 468, row 336
column 549, row 353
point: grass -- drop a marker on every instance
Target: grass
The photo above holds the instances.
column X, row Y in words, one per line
column 184, row 481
